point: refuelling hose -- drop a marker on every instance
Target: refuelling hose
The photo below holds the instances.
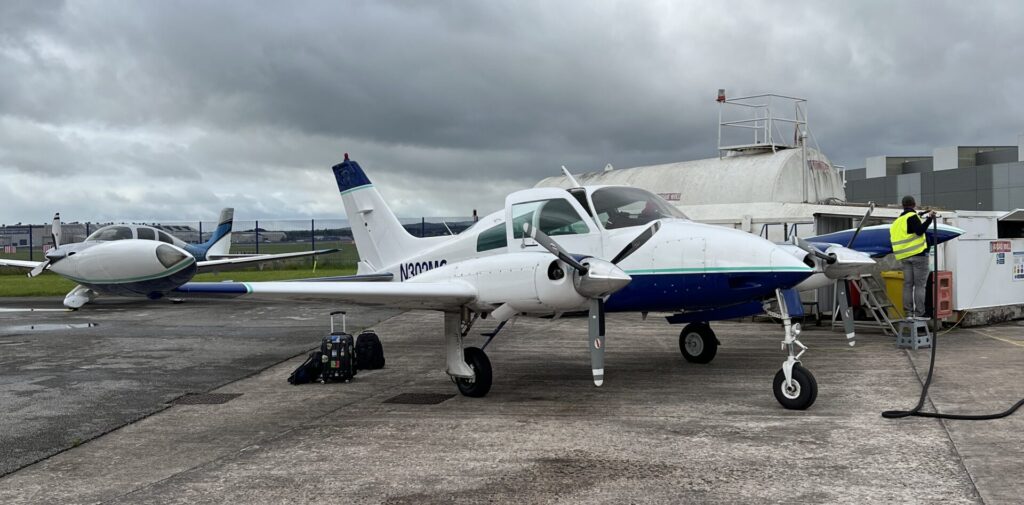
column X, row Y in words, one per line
column 916, row 411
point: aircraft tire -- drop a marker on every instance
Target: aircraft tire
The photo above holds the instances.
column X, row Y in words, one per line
column 477, row 360
column 698, row 344
column 803, row 395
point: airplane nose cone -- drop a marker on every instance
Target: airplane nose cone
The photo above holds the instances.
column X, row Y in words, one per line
column 602, row 278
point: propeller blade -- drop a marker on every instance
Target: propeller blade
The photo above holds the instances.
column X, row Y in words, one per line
column 39, row 268
column 846, row 311
column 55, row 230
column 597, row 339
column 871, row 208
column 637, row 242
column 813, row 250
column 547, row 243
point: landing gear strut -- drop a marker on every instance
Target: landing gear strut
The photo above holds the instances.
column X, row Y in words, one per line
column 698, row 343
column 794, row 386
column 469, row 368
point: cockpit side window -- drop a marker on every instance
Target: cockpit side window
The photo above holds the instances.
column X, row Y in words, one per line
column 623, row 207
column 164, row 237
column 553, row 217
column 492, row 238
column 111, row 233
column 145, row 233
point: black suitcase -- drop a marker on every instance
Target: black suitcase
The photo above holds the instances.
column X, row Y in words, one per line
column 337, row 354
column 369, row 351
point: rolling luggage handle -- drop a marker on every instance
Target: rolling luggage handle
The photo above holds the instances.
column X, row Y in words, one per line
column 343, row 325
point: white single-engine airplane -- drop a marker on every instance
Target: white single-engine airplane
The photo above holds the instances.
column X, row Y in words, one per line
column 132, row 260
column 620, row 249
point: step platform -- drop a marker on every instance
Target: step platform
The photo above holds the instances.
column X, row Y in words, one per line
column 913, row 334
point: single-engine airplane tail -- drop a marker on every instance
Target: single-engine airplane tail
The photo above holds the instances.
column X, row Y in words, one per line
column 219, row 244
column 380, row 237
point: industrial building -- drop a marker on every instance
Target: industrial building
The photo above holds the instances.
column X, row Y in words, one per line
column 989, row 178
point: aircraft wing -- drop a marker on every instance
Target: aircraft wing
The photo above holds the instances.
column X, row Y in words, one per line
column 19, row 263
column 449, row 295
column 227, row 263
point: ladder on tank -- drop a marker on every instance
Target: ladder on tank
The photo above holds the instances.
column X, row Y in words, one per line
column 874, row 297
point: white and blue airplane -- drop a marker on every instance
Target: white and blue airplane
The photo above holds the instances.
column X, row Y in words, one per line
column 133, row 260
column 618, row 249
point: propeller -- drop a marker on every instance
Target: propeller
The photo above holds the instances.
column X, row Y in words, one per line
column 595, row 279
column 871, row 208
column 51, row 255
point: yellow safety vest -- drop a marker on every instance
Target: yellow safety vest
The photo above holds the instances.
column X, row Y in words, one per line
column 904, row 243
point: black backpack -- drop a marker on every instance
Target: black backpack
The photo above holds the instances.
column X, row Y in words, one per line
column 308, row 371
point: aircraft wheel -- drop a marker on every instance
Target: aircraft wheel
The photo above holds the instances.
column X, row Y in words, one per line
column 802, row 394
column 478, row 387
column 698, row 344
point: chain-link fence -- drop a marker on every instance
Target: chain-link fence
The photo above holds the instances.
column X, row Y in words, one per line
column 30, row 242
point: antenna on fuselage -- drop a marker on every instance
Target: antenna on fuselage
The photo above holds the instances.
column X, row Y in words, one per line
column 575, row 183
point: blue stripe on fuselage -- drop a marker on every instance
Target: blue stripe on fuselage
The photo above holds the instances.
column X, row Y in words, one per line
column 699, row 290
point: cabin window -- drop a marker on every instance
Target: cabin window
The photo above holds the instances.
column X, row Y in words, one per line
column 492, row 238
column 111, row 233
column 146, row 233
column 553, row 217
column 164, row 237
column 169, row 256
column 621, row 207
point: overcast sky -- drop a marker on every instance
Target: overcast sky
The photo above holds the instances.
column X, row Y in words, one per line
column 173, row 109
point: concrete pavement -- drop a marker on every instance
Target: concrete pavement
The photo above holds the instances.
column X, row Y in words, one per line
column 660, row 430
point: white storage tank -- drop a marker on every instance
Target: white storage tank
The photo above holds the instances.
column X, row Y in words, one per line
column 742, row 177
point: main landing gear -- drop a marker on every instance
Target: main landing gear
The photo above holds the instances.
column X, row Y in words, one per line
column 698, row 343
column 794, row 386
column 469, row 368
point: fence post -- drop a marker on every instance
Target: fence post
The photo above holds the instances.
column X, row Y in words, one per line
column 312, row 234
column 257, row 230
column 31, row 253
column 87, row 229
column 200, row 241
column 423, row 227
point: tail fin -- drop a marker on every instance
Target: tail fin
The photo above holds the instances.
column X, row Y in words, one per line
column 219, row 243
column 380, row 238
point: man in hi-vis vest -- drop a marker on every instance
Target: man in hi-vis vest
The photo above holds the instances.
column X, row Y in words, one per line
column 910, row 246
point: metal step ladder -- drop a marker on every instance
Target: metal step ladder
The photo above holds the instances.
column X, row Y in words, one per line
column 876, row 299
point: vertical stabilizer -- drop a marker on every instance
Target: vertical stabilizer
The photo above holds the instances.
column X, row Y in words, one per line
column 380, row 238
column 219, row 243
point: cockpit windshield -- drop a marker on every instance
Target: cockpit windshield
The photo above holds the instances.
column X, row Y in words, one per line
column 621, row 207
column 109, row 233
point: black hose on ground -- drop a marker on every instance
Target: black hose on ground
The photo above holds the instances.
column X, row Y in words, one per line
column 916, row 411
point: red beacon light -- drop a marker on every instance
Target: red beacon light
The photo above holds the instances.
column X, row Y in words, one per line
column 721, row 96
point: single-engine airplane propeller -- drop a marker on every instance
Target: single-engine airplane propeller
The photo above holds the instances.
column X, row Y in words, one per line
column 552, row 251
column 133, row 260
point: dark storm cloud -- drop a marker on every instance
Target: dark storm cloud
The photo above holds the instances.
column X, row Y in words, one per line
column 252, row 101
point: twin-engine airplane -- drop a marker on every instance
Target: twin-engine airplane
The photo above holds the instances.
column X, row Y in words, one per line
column 133, row 260
column 552, row 251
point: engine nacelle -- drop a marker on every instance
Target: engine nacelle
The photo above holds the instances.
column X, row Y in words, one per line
column 534, row 283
